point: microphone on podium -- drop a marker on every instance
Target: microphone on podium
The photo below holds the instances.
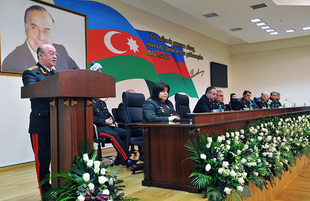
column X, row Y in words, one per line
column 95, row 66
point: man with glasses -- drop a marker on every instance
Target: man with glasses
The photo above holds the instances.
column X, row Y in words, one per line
column 39, row 126
column 39, row 29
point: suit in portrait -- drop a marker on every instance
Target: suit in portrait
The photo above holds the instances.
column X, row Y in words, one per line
column 21, row 58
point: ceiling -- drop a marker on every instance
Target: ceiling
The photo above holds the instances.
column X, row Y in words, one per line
column 279, row 15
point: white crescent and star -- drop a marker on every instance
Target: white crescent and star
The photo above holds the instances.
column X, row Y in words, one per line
column 131, row 43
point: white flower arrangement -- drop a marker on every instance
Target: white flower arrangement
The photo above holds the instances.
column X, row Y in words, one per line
column 270, row 149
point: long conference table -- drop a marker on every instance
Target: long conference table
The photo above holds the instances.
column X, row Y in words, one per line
column 165, row 155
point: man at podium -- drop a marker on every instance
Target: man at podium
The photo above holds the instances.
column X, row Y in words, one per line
column 39, row 127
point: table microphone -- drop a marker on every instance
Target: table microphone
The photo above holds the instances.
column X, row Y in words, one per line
column 289, row 101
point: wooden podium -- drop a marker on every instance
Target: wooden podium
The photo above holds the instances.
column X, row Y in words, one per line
column 71, row 109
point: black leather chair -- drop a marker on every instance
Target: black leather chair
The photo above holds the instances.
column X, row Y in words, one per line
column 101, row 141
column 182, row 105
column 133, row 114
column 234, row 103
column 117, row 119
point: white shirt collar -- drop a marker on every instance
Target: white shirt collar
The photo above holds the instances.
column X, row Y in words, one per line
column 34, row 54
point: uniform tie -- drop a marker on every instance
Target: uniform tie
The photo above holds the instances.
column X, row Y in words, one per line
column 52, row 72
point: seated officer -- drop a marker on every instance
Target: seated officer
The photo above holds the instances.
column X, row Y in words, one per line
column 207, row 102
column 262, row 103
column 105, row 126
column 274, row 100
column 220, row 101
column 246, row 102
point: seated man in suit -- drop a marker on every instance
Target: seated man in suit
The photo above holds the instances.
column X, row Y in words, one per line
column 207, row 102
column 245, row 102
column 220, row 101
column 262, row 103
column 275, row 103
column 104, row 122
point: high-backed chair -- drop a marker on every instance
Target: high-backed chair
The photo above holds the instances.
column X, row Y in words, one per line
column 234, row 103
column 117, row 119
column 133, row 114
column 182, row 105
column 101, row 141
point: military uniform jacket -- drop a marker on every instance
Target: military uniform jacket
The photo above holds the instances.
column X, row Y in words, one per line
column 261, row 103
column 217, row 106
column 204, row 104
column 101, row 112
column 241, row 104
column 275, row 104
column 40, row 107
column 154, row 112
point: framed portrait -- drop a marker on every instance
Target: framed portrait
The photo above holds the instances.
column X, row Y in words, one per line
column 26, row 24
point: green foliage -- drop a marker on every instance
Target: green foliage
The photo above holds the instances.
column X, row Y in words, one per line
column 258, row 153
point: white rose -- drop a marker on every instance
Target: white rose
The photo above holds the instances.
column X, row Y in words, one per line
column 90, row 163
column 96, row 164
column 81, row 198
column 242, row 131
column 227, row 135
column 232, row 134
column 219, row 139
column 85, row 157
column 106, row 192
column 233, row 173
column 228, row 142
column 209, row 139
column 111, row 181
column 227, row 190
column 240, row 188
column 255, row 173
column 208, row 145
column 241, row 180
column 237, row 133
column 220, row 170
column 246, row 147
column 208, row 167
column 259, row 138
column 91, row 186
column 102, row 179
column 103, row 171
column 86, row 177
column 225, row 164
column 203, row 156
column 245, row 174
column 97, row 169
column 238, row 152
column 243, row 160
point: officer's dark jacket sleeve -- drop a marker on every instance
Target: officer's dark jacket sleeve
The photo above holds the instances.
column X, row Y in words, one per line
column 152, row 112
column 100, row 113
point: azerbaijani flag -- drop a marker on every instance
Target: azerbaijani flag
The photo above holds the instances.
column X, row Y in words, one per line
column 113, row 42
column 121, row 50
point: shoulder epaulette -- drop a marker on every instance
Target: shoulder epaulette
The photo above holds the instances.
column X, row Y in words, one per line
column 43, row 71
column 149, row 99
column 32, row 68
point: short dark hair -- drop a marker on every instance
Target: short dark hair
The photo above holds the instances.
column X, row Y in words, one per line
column 36, row 7
column 208, row 90
column 273, row 92
column 231, row 95
column 158, row 87
column 246, row 91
